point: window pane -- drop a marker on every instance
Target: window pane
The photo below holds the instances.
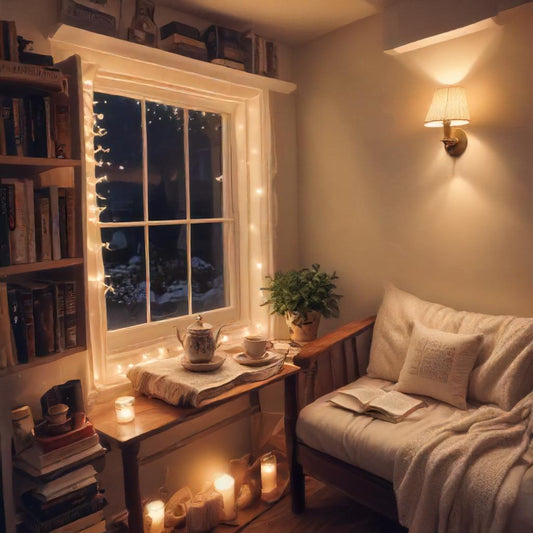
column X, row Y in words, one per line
column 205, row 164
column 122, row 193
column 166, row 165
column 124, row 263
column 168, row 272
column 207, row 263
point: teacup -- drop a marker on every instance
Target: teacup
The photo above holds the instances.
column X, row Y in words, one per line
column 255, row 346
column 57, row 414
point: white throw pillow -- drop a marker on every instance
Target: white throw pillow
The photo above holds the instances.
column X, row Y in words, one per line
column 503, row 373
column 438, row 364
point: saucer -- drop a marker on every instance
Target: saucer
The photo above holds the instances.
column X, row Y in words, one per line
column 215, row 363
column 59, row 429
column 265, row 359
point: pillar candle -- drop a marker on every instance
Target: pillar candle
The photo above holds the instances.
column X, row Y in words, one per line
column 225, row 485
column 269, row 475
column 156, row 511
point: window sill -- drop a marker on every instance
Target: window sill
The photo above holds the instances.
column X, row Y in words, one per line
column 76, row 38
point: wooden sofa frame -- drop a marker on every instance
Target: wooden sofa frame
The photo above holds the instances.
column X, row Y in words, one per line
column 328, row 363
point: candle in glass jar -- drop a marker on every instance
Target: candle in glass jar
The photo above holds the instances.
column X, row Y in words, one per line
column 269, row 475
column 156, row 511
column 124, row 409
column 225, row 485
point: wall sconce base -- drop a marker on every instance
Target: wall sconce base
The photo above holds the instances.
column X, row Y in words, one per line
column 456, row 144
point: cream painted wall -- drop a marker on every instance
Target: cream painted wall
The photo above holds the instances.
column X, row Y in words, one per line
column 379, row 199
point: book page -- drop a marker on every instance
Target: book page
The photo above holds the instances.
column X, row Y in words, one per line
column 395, row 403
column 347, row 402
column 364, row 395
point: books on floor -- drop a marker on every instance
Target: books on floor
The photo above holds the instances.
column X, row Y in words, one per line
column 391, row 406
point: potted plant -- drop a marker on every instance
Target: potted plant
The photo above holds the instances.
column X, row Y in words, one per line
column 302, row 297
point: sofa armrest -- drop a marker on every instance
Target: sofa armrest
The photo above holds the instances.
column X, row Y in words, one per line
column 332, row 360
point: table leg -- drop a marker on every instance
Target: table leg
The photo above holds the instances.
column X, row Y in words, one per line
column 297, row 481
column 132, row 489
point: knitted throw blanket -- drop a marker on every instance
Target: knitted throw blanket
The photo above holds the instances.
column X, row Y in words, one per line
column 466, row 475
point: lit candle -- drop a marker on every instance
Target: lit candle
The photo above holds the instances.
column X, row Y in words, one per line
column 269, row 475
column 124, row 409
column 225, row 485
column 156, row 511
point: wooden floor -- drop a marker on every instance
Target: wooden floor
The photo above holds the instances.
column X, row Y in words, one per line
column 328, row 511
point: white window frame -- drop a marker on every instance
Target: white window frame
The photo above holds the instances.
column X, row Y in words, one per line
column 109, row 65
column 121, row 342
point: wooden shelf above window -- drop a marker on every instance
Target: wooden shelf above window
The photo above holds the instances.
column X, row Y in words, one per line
column 39, row 266
column 76, row 38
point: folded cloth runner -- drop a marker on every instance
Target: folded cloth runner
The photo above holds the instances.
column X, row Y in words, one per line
column 465, row 476
column 170, row 382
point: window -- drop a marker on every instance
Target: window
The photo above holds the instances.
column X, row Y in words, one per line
column 164, row 220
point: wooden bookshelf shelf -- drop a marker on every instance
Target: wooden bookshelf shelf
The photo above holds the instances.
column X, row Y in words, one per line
column 39, row 266
column 12, row 166
column 42, row 360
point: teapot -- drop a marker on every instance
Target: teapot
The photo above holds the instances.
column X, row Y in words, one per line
column 199, row 344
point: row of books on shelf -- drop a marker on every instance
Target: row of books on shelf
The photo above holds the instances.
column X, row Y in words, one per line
column 35, row 125
column 38, row 319
column 222, row 46
column 36, row 224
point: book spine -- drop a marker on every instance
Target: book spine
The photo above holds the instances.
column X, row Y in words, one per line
column 9, row 126
column 3, row 30
column 18, row 125
column 26, row 304
column 63, row 222
column 13, row 44
column 43, row 312
column 7, row 345
column 59, row 316
column 4, row 226
column 70, row 195
column 17, row 325
column 18, row 235
column 42, row 228
column 54, row 222
column 46, row 459
column 71, row 328
column 50, row 146
column 3, row 145
column 30, row 217
column 21, row 73
column 62, row 139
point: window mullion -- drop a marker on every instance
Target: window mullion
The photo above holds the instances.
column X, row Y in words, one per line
column 145, row 209
column 188, row 206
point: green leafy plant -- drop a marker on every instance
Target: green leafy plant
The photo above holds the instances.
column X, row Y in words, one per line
column 301, row 291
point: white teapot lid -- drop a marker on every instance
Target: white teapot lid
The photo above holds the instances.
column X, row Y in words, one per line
column 199, row 326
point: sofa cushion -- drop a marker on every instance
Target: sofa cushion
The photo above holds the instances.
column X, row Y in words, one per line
column 503, row 373
column 438, row 364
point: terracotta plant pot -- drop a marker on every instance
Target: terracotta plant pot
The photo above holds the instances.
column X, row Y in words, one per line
column 305, row 331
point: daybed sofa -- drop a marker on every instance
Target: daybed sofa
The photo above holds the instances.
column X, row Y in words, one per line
column 464, row 467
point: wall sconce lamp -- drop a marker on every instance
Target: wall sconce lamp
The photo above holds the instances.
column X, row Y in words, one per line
column 449, row 108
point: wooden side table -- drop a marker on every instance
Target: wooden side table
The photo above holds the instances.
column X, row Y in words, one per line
column 155, row 416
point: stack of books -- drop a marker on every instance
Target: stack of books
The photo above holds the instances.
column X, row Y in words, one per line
column 224, row 47
column 37, row 223
column 66, row 495
column 182, row 39
column 261, row 55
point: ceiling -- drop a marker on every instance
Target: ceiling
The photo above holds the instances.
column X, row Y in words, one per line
column 292, row 22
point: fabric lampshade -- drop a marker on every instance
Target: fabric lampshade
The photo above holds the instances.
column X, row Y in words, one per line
column 449, row 103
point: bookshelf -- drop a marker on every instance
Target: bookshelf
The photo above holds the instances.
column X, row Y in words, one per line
column 65, row 268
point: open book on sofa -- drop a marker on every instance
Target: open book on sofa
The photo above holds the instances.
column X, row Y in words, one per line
column 390, row 406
